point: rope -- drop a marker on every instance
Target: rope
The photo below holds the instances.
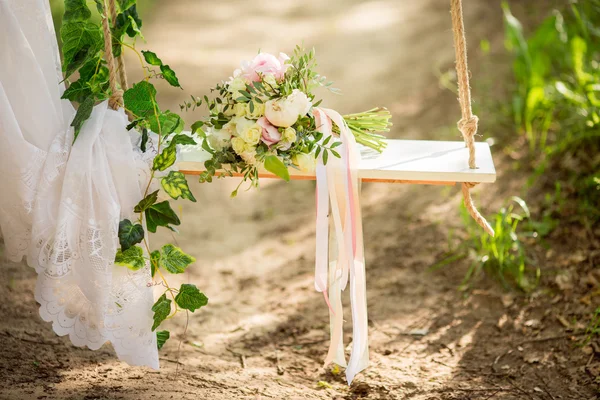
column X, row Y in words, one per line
column 116, row 98
column 468, row 123
column 120, row 59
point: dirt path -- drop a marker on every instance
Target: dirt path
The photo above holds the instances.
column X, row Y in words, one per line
column 264, row 334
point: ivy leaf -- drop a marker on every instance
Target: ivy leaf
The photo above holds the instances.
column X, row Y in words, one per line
column 169, row 123
column 132, row 258
column 83, row 113
column 174, row 260
column 162, row 309
column 275, row 165
column 151, row 58
column 160, row 214
column 176, row 186
column 146, row 202
column 165, row 159
column 141, row 99
column 183, row 139
column 161, row 338
column 81, row 42
column 130, row 234
column 154, row 262
column 135, row 26
column 125, row 4
column 190, row 298
column 197, row 128
column 169, row 75
column 78, row 91
column 76, row 10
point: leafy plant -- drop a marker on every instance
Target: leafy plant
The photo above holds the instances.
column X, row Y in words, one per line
column 83, row 52
column 556, row 103
column 502, row 256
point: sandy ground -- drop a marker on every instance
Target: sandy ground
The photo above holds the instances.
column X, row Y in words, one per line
column 264, row 333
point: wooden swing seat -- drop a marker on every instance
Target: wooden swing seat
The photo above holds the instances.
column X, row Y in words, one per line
column 426, row 162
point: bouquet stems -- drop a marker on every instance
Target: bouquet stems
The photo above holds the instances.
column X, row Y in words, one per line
column 367, row 127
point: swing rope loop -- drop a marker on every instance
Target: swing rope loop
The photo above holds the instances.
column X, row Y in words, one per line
column 468, row 123
column 116, row 99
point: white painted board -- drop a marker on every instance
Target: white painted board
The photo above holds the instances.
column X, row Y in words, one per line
column 420, row 161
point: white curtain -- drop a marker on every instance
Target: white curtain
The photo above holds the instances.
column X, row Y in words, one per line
column 60, row 203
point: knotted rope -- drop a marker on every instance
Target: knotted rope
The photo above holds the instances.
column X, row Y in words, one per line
column 116, row 99
column 468, row 123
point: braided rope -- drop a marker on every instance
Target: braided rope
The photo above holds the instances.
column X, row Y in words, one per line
column 468, row 123
column 120, row 59
column 116, row 99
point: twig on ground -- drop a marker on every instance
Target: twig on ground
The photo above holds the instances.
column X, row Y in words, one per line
column 172, row 361
column 545, row 386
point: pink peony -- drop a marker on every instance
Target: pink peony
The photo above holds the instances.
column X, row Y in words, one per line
column 265, row 63
column 270, row 134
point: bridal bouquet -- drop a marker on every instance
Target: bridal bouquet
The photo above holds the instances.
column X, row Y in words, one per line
column 262, row 119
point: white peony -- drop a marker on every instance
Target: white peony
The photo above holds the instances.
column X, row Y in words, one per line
column 218, row 139
column 285, row 112
column 306, row 162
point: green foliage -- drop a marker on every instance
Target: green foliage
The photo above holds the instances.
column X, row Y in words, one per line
column 275, row 165
column 161, row 338
column 502, row 256
column 130, row 234
column 172, row 259
column 160, row 214
column 141, row 99
column 555, row 102
column 175, row 185
column 162, row 309
column 146, row 202
column 132, row 258
column 190, row 298
column 82, row 40
column 167, row 73
column 83, row 113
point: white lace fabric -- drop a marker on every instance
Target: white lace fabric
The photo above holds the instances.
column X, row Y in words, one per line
column 61, row 202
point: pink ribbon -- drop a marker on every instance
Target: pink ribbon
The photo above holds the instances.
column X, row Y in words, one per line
column 338, row 190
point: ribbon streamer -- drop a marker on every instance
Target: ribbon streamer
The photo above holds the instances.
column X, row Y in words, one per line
column 338, row 190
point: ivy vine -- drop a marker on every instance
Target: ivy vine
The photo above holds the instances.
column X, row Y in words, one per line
column 83, row 53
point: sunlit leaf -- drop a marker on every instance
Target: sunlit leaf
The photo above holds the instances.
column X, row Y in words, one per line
column 174, row 260
column 146, row 202
column 132, row 258
column 276, row 166
column 169, row 75
column 190, row 298
column 175, row 185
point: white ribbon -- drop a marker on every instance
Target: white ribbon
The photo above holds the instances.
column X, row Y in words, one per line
column 338, row 190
